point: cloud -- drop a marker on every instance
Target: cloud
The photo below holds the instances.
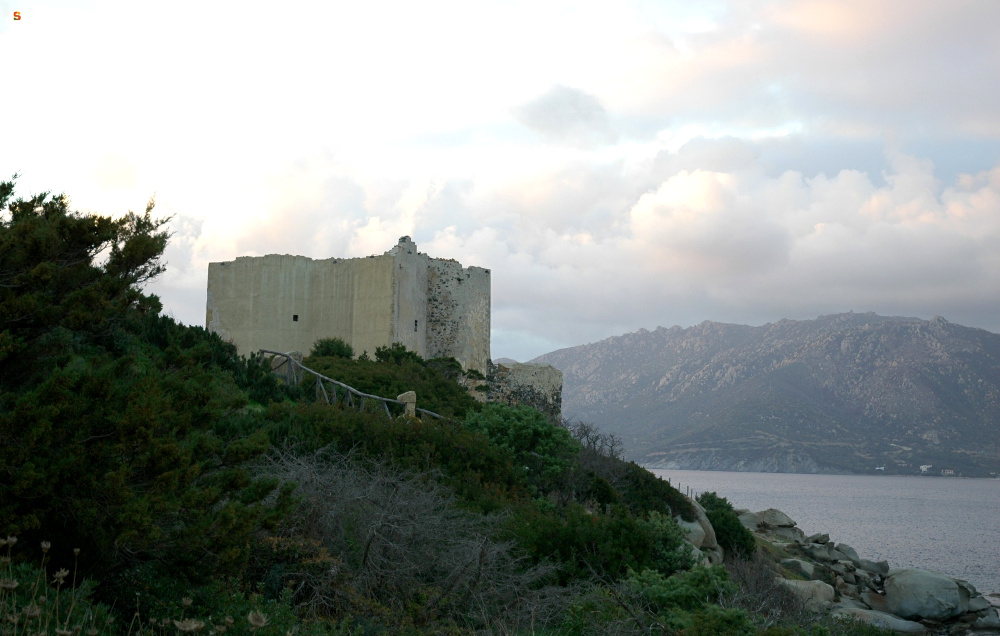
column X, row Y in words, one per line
column 617, row 165
column 588, row 251
column 746, row 247
column 567, row 115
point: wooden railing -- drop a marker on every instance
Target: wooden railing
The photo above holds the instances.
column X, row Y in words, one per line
column 295, row 372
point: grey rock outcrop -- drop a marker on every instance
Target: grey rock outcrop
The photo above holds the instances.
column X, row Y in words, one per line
column 918, row 593
column 989, row 621
column 750, row 520
column 701, row 534
column 816, row 595
column 774, row 518
column 882, row 620
column 905, row 600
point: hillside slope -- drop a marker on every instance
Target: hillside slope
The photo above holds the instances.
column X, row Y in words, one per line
column 842, row 393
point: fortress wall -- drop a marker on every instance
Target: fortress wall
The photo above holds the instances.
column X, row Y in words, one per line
column 252, row 302
column 371, row 324
column 410, row 297
column 458, row 313
column 434, row 307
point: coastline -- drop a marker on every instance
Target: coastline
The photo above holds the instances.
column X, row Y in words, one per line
column 937, row 524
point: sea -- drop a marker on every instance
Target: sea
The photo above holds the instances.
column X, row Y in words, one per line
column 946, row 524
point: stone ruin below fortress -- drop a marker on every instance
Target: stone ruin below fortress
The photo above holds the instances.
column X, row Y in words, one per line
column 434, row 307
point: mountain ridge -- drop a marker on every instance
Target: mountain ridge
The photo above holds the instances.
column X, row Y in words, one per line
column 841, row 393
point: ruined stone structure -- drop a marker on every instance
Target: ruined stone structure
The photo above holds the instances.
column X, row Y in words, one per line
column 536, row 385
column 432, row 306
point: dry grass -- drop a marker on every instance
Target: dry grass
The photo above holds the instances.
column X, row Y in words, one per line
column 759, row 593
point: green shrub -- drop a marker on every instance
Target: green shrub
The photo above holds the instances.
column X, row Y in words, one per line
column 690, row 590
column 447, row 367
column 396, row 353
column 544, row 451
column 609, row 545
column 670, row 551
column 331, row 348
column 686, row 603
column 599, row 490
column 480, row 473
column 732, row 535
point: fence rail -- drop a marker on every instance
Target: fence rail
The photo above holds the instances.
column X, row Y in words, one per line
column 295, row 372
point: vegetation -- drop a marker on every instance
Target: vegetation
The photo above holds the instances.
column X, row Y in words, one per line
column 730, row 532
column 331, row 348
column 205, row 494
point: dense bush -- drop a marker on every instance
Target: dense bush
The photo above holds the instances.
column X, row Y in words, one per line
column 331, row 348
column 732, row 535
column 108, row 410
column 396, row 353
column 546, row 453
column 480, row 473
column 644, row 492
column 584, row 544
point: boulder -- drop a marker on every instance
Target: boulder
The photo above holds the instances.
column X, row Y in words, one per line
column 750, row 520
column 845, row 588
column 817, row 551
column 816, row 595
column 875, row 601
column 978, row 604
column 710, row 540
column 848, row 602
column 875, row 567
column 990, row 621
column 798, row 566
column 788, row 533
column 700, row 532
column 967, row 591
column 775, row 519
column 918, row 593
column 881, row 620
column 714, row 555
column 818, row 538
column 695, row 533
column 851, row 553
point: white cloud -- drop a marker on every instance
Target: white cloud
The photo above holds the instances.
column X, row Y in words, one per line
column 568, row 115
column 616, row 165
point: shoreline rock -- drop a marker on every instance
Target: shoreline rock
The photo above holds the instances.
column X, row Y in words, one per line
column 904, row 600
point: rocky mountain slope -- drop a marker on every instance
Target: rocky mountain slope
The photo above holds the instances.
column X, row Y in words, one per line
column 842, row 393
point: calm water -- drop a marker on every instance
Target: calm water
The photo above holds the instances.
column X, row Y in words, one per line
column 946, row 524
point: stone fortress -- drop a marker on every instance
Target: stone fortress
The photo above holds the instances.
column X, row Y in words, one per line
column 434, row 307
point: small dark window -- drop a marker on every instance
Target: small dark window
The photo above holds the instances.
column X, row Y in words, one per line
column 295, row 317
column 414, row 326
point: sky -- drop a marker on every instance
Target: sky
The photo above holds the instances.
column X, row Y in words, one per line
column 616, row 164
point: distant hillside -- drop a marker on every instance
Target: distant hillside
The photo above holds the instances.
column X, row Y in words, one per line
column 842, row 393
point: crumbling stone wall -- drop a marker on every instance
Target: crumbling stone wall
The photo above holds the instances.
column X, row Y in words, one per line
column 536, row 385
column 458, row 313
